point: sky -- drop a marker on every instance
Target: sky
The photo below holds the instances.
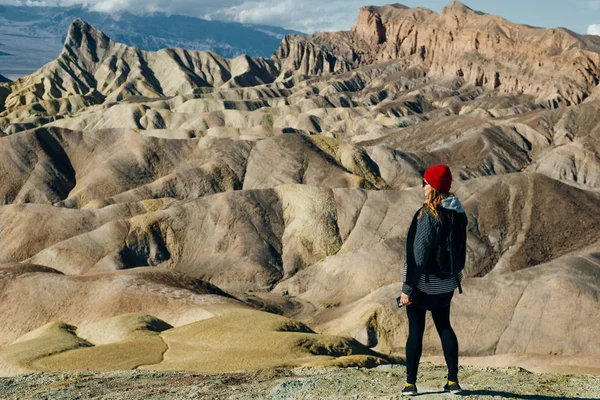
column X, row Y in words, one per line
column 582, row 16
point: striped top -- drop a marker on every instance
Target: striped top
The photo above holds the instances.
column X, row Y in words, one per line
column 435, row 285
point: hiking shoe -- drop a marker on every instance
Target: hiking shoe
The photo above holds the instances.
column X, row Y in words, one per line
column 409, row 390
column 453, row 388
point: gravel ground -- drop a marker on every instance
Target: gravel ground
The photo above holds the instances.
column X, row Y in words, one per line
column 384, row 382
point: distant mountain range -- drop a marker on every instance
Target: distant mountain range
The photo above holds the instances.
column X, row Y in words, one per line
column 33, row 36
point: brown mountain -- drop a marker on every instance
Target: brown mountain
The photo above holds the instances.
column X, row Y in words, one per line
column 554, row 65
column 300, row 173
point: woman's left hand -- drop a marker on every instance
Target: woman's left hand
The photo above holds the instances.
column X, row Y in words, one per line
column 405, row 300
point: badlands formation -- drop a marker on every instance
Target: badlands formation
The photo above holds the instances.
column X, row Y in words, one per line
column 155, row 205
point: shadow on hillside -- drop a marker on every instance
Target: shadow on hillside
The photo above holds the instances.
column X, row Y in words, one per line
column 508, row 395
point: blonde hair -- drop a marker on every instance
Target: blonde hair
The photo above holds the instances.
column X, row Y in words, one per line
column 434, row 199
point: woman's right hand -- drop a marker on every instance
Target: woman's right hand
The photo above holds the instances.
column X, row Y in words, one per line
column 405, row 300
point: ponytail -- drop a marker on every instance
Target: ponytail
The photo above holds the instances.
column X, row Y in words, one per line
column 434, row 199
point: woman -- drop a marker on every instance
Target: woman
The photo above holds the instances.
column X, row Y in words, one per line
column 422, row 289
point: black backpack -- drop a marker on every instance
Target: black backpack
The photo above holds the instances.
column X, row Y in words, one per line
column 450, row 254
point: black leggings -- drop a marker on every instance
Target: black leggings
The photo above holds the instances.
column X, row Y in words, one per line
column 414, row 344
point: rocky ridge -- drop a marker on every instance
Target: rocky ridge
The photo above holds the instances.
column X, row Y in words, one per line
column 31, row 37
column 554, row 65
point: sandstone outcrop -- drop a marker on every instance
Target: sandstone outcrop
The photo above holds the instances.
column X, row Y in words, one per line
column 554, row 65
column 94, row 69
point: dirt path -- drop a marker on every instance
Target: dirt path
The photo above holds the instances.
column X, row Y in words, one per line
column 384, row 382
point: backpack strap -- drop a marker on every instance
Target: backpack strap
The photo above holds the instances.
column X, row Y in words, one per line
column 460, row 291
column 450, row 222
column 426, row 277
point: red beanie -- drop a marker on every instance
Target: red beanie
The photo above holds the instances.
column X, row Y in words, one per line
column 439, row 178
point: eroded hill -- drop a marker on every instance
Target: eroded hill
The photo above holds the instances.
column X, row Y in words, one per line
column 300, row 173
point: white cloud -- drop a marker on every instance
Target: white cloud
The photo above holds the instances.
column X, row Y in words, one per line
column 111, row 6
column 303, row 15
column 593, row 29
column 184, row 7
